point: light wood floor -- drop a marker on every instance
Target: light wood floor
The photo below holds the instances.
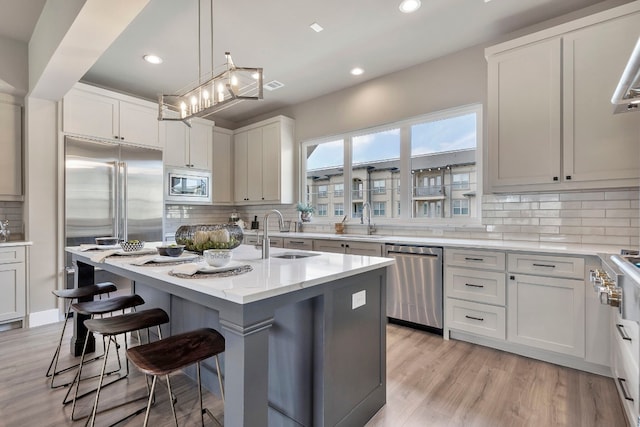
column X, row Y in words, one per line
column 430, row 382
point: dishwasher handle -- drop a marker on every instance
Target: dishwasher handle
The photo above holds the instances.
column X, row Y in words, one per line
column 414, row 254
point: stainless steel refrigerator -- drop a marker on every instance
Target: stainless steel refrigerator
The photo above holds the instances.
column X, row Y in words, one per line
column 111, row 190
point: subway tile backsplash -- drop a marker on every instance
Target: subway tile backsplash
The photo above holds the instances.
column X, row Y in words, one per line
column 590, row 217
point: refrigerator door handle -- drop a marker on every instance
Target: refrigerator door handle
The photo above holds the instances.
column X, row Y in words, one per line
column 115, row 190
column 123, row 212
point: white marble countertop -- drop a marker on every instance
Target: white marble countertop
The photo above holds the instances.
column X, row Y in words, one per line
column 544, row 247
column 15, row 243
column 269, row 278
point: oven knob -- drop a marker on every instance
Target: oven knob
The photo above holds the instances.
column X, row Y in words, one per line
column 608, row 283
column 614, row 297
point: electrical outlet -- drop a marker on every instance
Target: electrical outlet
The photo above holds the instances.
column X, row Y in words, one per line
column 358, row 299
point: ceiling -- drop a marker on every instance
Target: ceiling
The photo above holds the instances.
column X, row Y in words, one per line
column 275, row 35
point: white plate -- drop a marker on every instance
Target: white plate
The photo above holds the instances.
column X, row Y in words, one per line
column 140, row 252
column 205, row 268
column 184, row 257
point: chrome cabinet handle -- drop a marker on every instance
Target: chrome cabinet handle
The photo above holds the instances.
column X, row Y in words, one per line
column 622, row 332
column 544, row 265
column 623, row 387
column 474, row 286
column 474, row 318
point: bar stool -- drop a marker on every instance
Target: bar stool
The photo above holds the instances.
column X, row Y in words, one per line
column 176, row 352
column 68, row 295
column 94, row 308
column 110, row 327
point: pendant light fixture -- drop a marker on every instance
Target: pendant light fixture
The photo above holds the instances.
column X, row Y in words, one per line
column 216, row 90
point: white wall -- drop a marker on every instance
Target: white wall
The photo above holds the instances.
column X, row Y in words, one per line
column 13, row 67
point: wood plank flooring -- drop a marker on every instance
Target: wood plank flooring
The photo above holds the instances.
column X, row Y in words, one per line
column 430, row 382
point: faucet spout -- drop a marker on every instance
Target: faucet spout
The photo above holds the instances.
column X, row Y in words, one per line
column 370, row 228
column 265, row 238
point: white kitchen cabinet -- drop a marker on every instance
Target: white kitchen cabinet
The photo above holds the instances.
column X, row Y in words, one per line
column 547, row 313
column 264, row 162
column 348, row 247
column 13, row 286
column 222, row 172
column 98, row 113
column 550, row 117
column 11, row 148
column 189, row 147
column 479, row 319
column 296, row 243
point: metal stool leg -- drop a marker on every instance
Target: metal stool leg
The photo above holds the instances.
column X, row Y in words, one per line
column 92, row 419
column 56, row 355
column 219, row 377
column 153, row 389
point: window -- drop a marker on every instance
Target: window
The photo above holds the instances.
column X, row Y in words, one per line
column 460, row 181
column 460, row 207
column 322, row 209
column 433, row 156
column 338, row 190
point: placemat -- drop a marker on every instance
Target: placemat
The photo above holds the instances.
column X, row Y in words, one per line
column 235, row 272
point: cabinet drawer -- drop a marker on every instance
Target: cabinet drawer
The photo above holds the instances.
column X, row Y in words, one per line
column 475, row 285
column 544, row 265
column 625, row 376
column 476, row 318
column 305, row 244
column 477, row 259
column 626, row 338
column 12, row 254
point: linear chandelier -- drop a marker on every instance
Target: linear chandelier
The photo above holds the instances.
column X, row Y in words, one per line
column 221, row 88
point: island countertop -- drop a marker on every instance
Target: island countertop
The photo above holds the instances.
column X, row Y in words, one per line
column 269, row 277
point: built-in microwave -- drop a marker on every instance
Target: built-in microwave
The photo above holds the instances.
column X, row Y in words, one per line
column 188, row 186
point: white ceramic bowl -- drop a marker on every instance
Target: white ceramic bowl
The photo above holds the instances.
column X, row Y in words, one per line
column 217, row 257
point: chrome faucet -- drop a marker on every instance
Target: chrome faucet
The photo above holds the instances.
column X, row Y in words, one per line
column 370, row 228
column 265, row 238
column 4, row 230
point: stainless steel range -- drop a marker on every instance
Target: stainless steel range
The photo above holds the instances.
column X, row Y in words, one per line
column 618, row 285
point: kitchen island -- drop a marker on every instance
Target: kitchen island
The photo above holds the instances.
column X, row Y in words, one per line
column 305, row 337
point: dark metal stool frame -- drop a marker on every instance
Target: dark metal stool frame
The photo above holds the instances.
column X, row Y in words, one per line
column 118, row 325
column 93, row 308
column 174, row 353
column 69, row 295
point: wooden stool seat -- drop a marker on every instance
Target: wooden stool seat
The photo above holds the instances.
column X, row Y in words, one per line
column 128, row 322
column 86, row 291
column 107, row 305
column 176, row 352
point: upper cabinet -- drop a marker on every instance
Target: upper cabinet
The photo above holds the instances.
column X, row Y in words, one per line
column 222, row 166
column 185, row 146
column 264, row 162
column 11, row 148
column 98, row 113
column 550, row 117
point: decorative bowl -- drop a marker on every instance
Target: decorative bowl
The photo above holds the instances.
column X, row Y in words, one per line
column 106, row 241
column 171, row 250
column 132, row 245
column 198, row 238
column 218, row 257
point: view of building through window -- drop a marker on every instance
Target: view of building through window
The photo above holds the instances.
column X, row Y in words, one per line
column 442, row 176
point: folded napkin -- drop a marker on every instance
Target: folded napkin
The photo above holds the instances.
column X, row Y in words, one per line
column 144, row 259
column 100, row 257
column 187, row 269
column 92, row 247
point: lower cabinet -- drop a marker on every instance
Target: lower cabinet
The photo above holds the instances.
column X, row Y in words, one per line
column 348, row 247
column 304, row 244
column 12, row 284
column 547, row 313
column 481, row 319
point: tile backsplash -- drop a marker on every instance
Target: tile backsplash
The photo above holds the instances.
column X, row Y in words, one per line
column 608, row 217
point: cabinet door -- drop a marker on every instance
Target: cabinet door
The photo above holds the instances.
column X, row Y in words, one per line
column 271, row 162
column 85, row 113
column 329, row 246
column 240, row 163
column 524, row 115
column 597, row 144
column 304, row 244
column 200, row 145
column 11, row 148
column 361, row 248
column 139, row 124
column 12, row 291
column 254, row 165
column 222, row 167
column 175, row 136
column 547, row 313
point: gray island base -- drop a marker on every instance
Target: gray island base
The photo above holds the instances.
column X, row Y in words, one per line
column 305, row 338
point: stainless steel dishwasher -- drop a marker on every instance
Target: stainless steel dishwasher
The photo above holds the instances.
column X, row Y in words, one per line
column 414, row 286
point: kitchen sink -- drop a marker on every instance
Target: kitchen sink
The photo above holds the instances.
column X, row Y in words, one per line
column 294, row 255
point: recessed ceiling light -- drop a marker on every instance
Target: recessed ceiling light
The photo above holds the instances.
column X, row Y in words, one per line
column 316, row 27
column 408, row 6
column 357, row 71
column 152, row 59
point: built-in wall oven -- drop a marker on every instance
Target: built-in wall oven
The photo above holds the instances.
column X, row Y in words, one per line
column 414, row 286
column 187, row 186
column 618, row 285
